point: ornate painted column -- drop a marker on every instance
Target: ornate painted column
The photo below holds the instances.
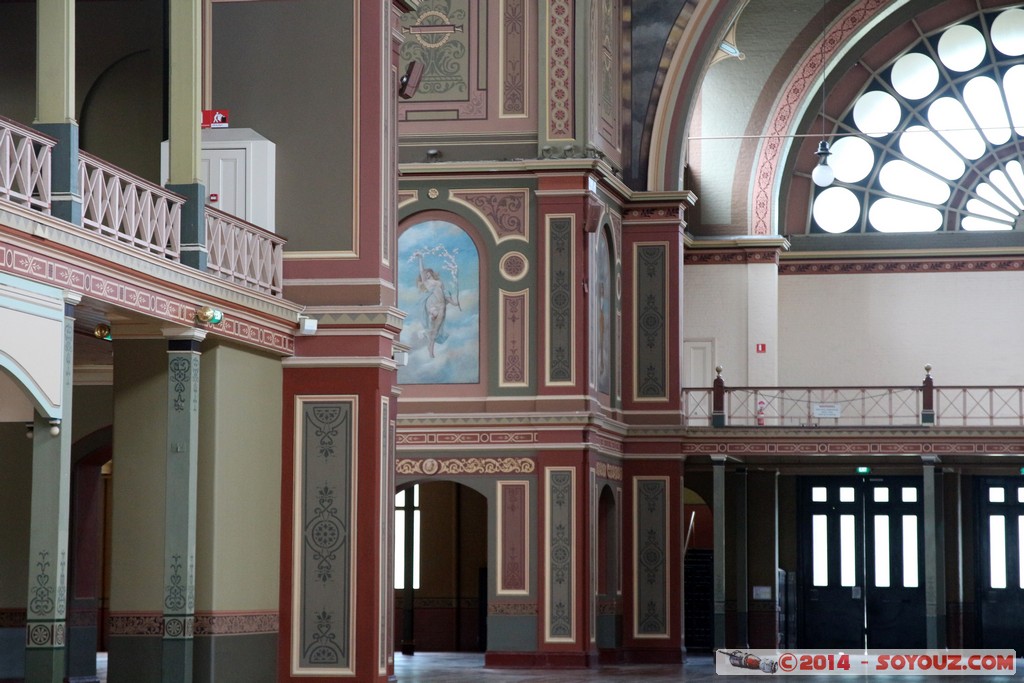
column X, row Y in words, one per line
column 48, row 542
column 55, row 102
column 182, row 461
column 186, row 77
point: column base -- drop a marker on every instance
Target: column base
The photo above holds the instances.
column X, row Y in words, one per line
column 541, row 660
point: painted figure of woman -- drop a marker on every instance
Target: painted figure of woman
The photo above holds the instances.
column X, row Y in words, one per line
column 435, row 305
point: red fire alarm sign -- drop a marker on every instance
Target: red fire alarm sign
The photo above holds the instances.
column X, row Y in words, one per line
column 761, row 348
column 215, row 118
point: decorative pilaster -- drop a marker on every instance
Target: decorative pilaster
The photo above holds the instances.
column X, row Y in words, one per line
column 48, row 542
column 179, row 597
column 55, row 103
column 186, row 50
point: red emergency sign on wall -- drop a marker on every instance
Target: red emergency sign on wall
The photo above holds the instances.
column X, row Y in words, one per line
column 761, row 348
column 215, row 118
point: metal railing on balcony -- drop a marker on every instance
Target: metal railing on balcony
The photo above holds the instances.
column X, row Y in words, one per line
column 953, row 406
column 25, row 166
column 244, row 253
column 128, row 209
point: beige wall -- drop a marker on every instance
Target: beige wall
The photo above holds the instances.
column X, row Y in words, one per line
column 239, row 510
column 736, row 307
column 140, row 443
column 882, row 329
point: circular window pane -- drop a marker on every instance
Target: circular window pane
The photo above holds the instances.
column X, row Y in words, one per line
column 896, row 215
column 852, row 159
column 993, row 196
column 973, row 223
column 926, row 148
column 836, row 209
column 980, row 208
column 1013, row 87
column 986, row 104
column 876, row 113
column 961, row 48
column 907, row 180
column 1008, row 32
column 1002, row 182
column 950, row 119
column 915, row 75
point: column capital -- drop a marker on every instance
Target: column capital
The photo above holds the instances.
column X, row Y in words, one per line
column 177, row 333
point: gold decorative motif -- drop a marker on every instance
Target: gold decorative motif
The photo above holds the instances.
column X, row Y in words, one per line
column 431, row 466
column 433, row 193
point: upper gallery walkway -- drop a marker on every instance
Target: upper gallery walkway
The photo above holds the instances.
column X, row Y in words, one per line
column 119, row 206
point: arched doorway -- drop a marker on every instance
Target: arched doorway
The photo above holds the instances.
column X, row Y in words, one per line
column 441, row 533
column 609, row 572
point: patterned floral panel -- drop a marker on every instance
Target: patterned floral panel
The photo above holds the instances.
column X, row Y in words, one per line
column 651, row 561
column 325, row 575
column 560, row 583
column 650, row 347
column 560, row 322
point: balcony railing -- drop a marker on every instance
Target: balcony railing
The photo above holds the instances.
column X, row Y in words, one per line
column 128, row 209
column 244, row 253
column 25, row 166
column 953, row 406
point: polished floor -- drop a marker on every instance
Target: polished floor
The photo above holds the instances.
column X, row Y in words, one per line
column 443, row 667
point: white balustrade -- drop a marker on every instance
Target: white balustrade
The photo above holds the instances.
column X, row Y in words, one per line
column 25, row 166
column 244, row 253
column 128, row 209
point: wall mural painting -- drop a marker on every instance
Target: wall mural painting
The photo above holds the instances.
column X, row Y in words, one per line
column 603, row 311
column 439, row 291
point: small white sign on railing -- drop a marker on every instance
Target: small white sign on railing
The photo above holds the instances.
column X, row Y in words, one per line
column 826, row 410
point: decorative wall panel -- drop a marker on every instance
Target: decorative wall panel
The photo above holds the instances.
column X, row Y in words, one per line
column 650, row 557
column 514, row 329
column 446, row 36
column 514, row 539
column 561, row 39
column 609, row 72
column 560, row 273
column 323, row 617
column 650, row 329
column 386, row 539
column 560, row 542
column 514, row 23
column 504, row 212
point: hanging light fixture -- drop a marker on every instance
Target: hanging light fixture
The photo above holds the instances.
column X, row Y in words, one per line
column 823, row 175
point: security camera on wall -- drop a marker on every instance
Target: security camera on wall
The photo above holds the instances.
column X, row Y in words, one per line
column 409, row 82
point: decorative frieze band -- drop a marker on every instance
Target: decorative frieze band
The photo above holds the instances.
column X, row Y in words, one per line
column 132, row 296
column 206, row 624
column 608, row 471
column 937, row 265
column 512, row 609
column 432, row 466
column 465, row 438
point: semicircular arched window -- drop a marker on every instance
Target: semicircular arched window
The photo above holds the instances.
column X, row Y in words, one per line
column 933, row 141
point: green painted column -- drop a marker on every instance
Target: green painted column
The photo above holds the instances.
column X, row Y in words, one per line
column 48, row 542
column 55, row 102
column 718, row 509
column 179, row 598
column 185, row 139
column 934, row 554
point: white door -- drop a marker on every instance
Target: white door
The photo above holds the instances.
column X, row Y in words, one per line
column 698, row 363
column 223, row 172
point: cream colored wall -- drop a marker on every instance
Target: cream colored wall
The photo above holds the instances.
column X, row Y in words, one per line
column 882, row 329
column 140, row 435
column 15, row 492
column 239, row 509
column 736, row 306
column 92, row 409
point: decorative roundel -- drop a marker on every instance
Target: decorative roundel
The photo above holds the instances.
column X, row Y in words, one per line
column 514, row 266
column 174, row 628
column 39, row 635
column 433, row 193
